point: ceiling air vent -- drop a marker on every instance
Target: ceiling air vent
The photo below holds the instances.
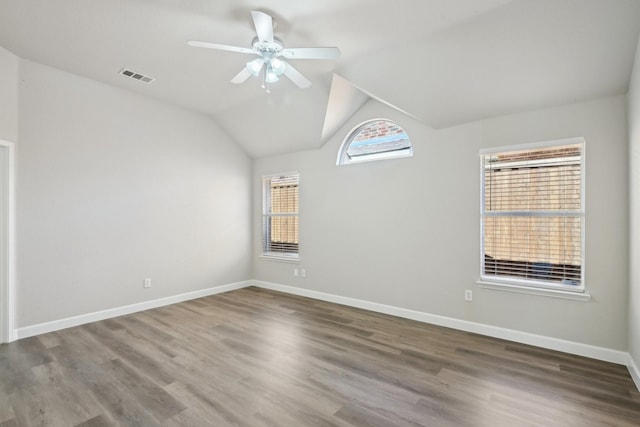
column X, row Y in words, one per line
column 136, row 76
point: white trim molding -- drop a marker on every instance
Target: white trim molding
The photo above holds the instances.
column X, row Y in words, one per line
column 8, row 281
column 553, row 293
column 586, row 350
column 634, row 371
column 56, row 325
column 580, row 349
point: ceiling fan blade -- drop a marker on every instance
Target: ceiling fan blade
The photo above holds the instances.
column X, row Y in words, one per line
column 264, row 26
column 241, row 77
column 221, row 47
column 295, row 76
column 311, row 53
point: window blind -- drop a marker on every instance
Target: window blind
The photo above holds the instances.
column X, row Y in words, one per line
column 533, row 214
column 280, row 214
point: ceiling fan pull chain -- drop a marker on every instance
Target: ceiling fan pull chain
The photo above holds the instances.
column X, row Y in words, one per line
column 265, row 83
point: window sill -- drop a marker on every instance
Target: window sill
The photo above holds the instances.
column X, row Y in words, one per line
column 553, row 293
column 290, row 258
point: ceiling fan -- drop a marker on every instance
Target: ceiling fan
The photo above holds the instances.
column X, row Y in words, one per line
column 270, row 50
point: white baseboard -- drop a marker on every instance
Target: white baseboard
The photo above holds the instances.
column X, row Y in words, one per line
column 594, row 352
column 56, row 325
column 634, row 371
column 580, row 349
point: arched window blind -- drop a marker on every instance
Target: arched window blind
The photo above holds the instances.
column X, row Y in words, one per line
column 533, row 215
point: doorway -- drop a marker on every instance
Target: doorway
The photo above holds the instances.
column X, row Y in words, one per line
column 7, row 241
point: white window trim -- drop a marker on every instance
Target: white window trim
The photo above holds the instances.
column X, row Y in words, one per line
column 530, row 290
column 344, row 159
column 533, row 286
column 278, row 256
column 281, row 257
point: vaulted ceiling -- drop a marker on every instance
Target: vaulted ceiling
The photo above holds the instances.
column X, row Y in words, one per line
column 442, row 61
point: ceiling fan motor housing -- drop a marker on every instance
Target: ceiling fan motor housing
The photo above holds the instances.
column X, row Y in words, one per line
column 267, row 49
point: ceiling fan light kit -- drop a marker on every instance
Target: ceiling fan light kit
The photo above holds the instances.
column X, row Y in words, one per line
column 278, row 66
column 270, row 75
column 255, row 66
column 269, row 49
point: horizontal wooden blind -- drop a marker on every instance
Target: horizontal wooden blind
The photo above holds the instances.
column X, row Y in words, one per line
column 533, row 214
column 280, row 214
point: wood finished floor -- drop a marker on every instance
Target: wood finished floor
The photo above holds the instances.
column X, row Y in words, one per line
column 260, row 358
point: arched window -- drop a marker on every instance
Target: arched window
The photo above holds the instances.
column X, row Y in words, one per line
column 375, row 140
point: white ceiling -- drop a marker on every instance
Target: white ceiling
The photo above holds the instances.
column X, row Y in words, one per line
column 442, row 61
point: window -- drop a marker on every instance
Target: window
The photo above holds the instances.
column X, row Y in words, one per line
column 280, row 216
column 375, row 140
column 533, row 215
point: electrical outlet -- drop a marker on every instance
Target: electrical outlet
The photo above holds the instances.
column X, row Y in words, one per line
column 295, row 272
column 303, row 272
column 468, row 295
column 147, row 283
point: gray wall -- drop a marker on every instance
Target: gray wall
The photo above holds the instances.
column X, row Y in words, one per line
column 8, row 95
column 634, row 179
column 114, row 187
column 405, row 232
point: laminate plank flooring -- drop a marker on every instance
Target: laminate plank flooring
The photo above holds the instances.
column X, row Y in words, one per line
column 254, row 357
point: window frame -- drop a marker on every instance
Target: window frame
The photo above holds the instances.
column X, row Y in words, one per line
column 265, row 215
column 344, row 158
column 529, row 285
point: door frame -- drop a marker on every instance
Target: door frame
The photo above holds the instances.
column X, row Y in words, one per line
column 8, row 241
